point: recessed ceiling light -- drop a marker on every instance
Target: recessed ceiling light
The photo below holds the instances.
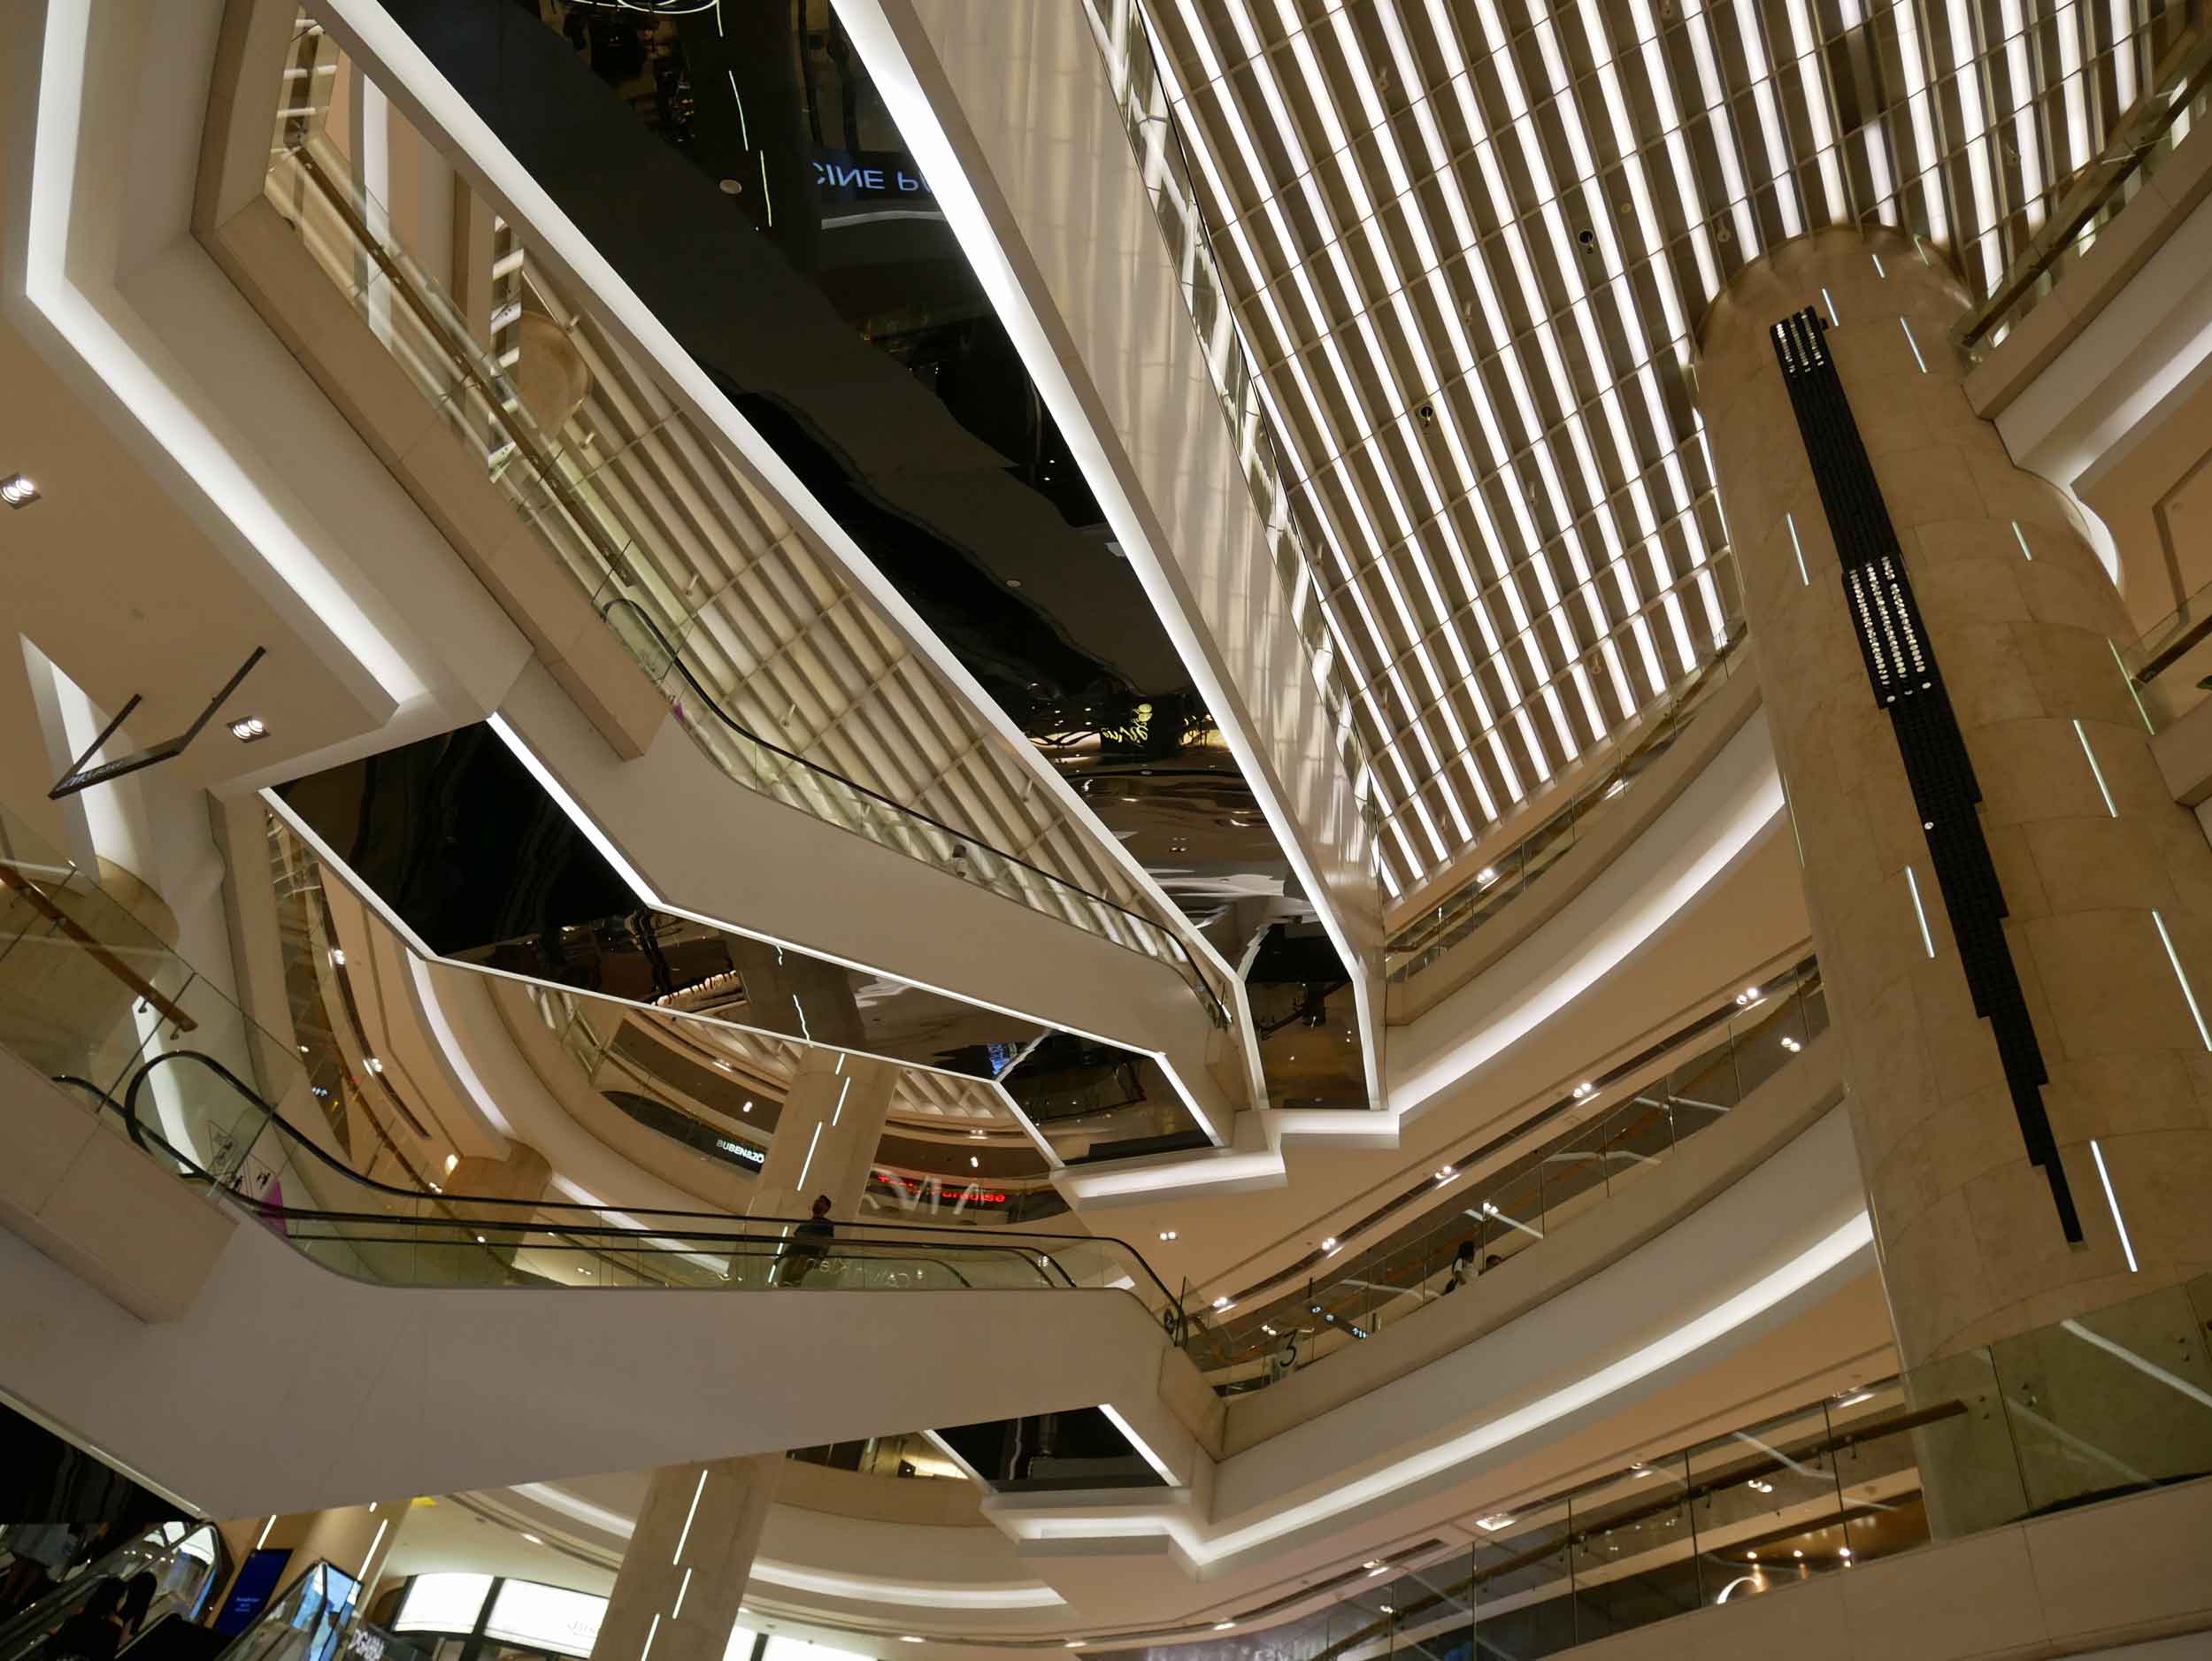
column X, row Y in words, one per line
column 1167, row 1233
column 337, row 957
column 533, row 1539
column 1387, row 1609
column 1797, row 1554
column 1221, row 1303
column 1329, row 1244
column 1584, row 1088
column 451, row 1160
column 248, row 728
column 17, row 491
column 1491, row 1525
column 1223, row 1626
column 375, row 1064
column 908, row 1637
column 747, row 1108
column 974, row 1162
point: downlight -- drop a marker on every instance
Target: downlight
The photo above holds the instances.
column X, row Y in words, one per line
column 18, row 491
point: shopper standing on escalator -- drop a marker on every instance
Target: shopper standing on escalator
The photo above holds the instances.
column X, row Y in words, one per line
column 808, row 1244
column 94, row 1632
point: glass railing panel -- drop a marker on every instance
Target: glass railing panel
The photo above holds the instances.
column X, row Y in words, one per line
column 2109, row 1401
column 1762, row 1488
column 1524, row 1581
column 1633, row 1557
column 1482, row 1224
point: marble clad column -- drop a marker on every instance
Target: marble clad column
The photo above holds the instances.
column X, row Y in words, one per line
column 682, row 1582
column 2022, row 619
column 825, row 1136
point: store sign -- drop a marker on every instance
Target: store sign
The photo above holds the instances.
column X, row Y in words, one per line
column 867, row 175
column 546, row 1618
column 752, row 1156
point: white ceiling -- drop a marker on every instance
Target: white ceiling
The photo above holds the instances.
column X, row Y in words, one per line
column 1465, row 244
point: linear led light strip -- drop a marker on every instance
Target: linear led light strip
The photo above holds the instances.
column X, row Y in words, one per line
column 1516, row 104
column 1449, row 47
column 1803, row 45
column 1417, row 344
column 2026, row 136
column 1292, row 258
column 1911, row 58
column 1975, row 140
column 1661, row 85
column 1755, row 51
column 1661, row 269
column 1632, row 327
column 1849, row 14
column 1355, row 187
column 1724, row 129
column 1352, row 401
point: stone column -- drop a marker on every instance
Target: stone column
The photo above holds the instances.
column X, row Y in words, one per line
column 825, row 1136
column 683, row 1581
column 2091, row 852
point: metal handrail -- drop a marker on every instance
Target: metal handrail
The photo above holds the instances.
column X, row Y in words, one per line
column 674, row 654
column 958, row 1239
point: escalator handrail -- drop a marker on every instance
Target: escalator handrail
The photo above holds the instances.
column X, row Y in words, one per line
column 961, row 1239
column 676, row 659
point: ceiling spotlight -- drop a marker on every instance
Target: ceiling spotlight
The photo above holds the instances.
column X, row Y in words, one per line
column 1583, row 1089
column 1329, row 1244
column 1075, row 1643
column 1797, row 1554
column 248, row 728
column 1264, row 1327
column 974, row 1164
column 1845, row 1552
column 747, row 1108
column 1387, row 1609
column 17, row 491
column 1751, row 1556
column 1486, row 875
column 1749, row 994
column 1758, row 1487
column 533, row 1539
column 908, row 1637
column 1223, row 1626
column 338, row 956
column 1445, row 1175
column 1221, row 1303
column 1167, row 1233
column 1792, row 1045
column 375, row 1065
column 1491, row 1525
column 451, row 1160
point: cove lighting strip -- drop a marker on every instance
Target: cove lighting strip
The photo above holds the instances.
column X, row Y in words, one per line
column 1830, row 1252
column 156, row 393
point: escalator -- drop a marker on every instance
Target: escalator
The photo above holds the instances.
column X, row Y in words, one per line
column 177, row 1567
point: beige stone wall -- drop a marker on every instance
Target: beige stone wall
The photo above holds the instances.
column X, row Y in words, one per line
column 1971, row 1244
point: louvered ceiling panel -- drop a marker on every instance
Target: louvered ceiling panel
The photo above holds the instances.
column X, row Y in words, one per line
column 1464, row 243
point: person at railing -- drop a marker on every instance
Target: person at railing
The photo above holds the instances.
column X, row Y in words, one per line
column 808, row 1244
column 1462, row 1268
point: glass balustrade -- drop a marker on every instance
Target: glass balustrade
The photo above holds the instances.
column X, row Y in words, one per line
column 1524, row 1189
column 186, row 1564
column 562, row 485
column 89, row 994
column 2083, row 1409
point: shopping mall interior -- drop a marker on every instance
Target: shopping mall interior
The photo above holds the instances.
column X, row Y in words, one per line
column 1146, row 687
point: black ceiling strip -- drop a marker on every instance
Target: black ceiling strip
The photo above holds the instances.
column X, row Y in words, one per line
column 1901, row 666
